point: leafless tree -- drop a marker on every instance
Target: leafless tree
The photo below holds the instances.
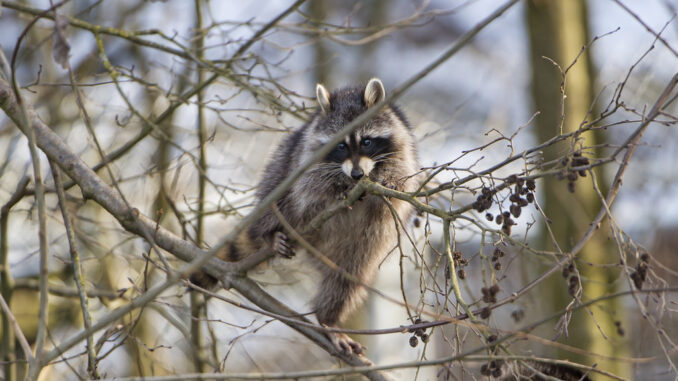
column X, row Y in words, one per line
column 131, row 140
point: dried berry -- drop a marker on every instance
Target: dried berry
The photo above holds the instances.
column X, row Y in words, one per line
column 518, row 315
column 645, row 257
column 572, row 176
column 529, row 197
column 636, row 280
column 492, row 338
column 498, row 252
column 417, row 222
column 425, row 338
column 566, row 272
column 485, row 191
column 497, row 266
column 499, row 219
column 620, row 330
column 531, row 184
column 485, row 313
column 496, row 373
column 494, row 289
column 512, row 179
column 515, row 210
column 514, row 197
column 462, row 274
column 522, row 202
column 414, row 341
column 485, row 370
column 572, row 290
column 520, row 181
column 489, row 216
column 570, row 186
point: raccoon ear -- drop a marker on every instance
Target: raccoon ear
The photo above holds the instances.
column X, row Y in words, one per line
column 323, row 97
column 374, row 92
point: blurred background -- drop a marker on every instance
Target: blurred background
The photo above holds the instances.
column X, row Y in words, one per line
column 194, row 169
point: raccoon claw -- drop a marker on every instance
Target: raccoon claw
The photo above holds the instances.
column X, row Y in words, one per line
column 282, row 245
column 346, row 345
column 390, row 185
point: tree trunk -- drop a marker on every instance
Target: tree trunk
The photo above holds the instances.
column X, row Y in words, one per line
column 558, row 30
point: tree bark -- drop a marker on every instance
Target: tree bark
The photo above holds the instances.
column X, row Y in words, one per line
column 558, row 30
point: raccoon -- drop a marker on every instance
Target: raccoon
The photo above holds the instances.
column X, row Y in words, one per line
column 383, row 150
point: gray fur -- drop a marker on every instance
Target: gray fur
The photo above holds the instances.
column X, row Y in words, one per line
column 354, row 239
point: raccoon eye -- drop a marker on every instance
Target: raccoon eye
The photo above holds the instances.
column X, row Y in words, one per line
column 366, row 142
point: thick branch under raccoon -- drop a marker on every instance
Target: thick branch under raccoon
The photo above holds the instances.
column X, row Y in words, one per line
column 382, row 149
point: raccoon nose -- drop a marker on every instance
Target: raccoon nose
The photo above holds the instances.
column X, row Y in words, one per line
column 356, row 173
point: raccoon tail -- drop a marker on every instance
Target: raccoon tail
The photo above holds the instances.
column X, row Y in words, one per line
column 203, row 279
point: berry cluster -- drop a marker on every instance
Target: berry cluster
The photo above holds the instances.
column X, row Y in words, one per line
column 493, row 368
column 577, row 161
column 573, row 281
column 522, row 195
column 639, row 275
column 620, row 330
column 459, row 263
column 498, row 253
column 421, row 332
column 489, row 297
column 484, row 200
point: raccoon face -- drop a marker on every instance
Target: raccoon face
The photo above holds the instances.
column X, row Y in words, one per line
column 371, row 145
column 359, row 155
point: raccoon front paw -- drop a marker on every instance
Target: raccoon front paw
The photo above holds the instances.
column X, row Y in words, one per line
column 391, row 185
column 282, row 245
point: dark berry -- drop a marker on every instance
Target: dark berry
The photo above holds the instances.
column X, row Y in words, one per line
column 529, row 197
column 512, row 179
column 424, row 338
column 485, row 313
column 515, row 210
column 489, row 216
column 414, row 341
column 462, row 274
column 518, row 315
column 499, row 219
column 497, row 266
column 531, row 184
column 485, row 370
